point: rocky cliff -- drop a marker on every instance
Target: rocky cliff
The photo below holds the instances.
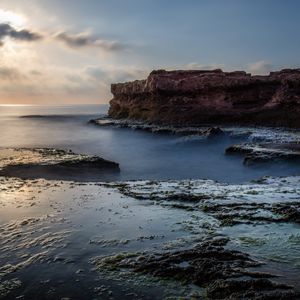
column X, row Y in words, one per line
column 199, row 97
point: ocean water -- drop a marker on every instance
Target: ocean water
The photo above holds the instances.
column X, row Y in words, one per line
column 141, row 155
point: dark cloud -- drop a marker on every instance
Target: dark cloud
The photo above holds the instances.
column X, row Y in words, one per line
column 6, row 30
column 36, row 73
column 81, row 40
column 10, row 74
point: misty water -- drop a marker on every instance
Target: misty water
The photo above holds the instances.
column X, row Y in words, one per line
column 141, row 155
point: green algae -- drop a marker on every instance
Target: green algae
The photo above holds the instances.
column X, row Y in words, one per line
column 8, row 286
column 252, row 241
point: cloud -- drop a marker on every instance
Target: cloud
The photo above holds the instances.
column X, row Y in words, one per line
column 197, row 66
column 10, row 74
column 6, row 30
column 75, row 41
column 84, row 40
column 259, row 68
column 112, row 74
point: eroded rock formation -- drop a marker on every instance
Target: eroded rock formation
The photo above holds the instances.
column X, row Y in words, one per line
column 199, row 97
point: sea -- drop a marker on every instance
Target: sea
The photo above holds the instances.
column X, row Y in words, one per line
column 141, row 155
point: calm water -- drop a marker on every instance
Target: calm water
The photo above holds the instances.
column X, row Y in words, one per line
column 141, row 155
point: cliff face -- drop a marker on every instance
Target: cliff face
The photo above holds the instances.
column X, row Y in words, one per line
column 198, row 97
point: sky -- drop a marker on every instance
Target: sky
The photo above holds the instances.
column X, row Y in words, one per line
column 70, row 51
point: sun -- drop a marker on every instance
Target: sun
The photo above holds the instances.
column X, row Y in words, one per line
column 11, row 18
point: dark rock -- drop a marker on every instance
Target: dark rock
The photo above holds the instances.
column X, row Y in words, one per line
column 214, row 132
column 207, row 132
column 223, row 272
column 49, row 163
column 230, row 214
column 262, row 289
column 257, row 153
column 199, row 97
column 290, row 212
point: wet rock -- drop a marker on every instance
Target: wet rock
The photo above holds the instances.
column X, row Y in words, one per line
column 230, row 204
column 209, row 264
column 51, row 163
column 257, row 153
column 203, row 131
column 232, row 214
column 8, row 286
column 214, row 132
column 251, row 289
column 290, row 212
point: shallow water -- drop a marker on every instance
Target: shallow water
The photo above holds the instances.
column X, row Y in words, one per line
column 141, row 155
column 51, row 232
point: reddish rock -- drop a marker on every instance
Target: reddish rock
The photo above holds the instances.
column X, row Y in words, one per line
column 216, row 97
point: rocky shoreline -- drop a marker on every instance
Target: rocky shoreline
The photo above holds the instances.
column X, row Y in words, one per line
column 189, row 239
column 210, row 97
column 75, row 235
column 215, row 261
column 262, row 144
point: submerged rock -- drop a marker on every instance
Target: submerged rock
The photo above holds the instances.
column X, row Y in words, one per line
column 7, row 286
column 260, row 289
column 224, row 273
column 202, row 96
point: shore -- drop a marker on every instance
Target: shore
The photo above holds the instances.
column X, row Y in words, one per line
column 118, row 240
column 149, row 239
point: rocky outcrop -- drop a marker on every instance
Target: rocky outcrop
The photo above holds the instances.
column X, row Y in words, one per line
column 205, row 132
column 217, row 97
column 257, row 153
column 54, row 164
column 222, row 272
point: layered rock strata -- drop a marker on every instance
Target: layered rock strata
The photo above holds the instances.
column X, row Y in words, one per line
column 216, row 97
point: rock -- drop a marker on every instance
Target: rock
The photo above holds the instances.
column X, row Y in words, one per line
column 203, row 131
column 223, row 272
column 214, row 132
column 261, row 289
column 8, row 286
column 50, row 163
column 289, row 212
column 257, row 153
column 199, row 97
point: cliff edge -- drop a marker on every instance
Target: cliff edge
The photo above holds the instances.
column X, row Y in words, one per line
column 216, row 97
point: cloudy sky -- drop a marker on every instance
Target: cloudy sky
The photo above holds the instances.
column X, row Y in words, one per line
column 69, row 51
